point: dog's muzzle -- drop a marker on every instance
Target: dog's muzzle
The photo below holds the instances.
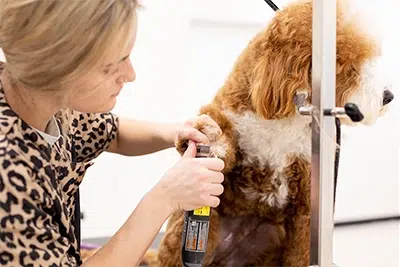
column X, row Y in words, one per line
column 388, row 96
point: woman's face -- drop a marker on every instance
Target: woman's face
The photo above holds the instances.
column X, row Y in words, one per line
column 97, row 91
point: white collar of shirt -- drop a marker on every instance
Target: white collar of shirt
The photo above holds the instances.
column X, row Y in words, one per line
column 51, row 138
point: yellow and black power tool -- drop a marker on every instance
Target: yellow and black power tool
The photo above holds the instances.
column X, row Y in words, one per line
column 196, row 227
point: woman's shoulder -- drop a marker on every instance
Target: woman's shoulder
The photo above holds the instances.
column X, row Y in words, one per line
column 18, row 149
column 92, row 132
column 79, row 122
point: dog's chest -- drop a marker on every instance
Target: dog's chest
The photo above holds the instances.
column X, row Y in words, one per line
column 270, row 144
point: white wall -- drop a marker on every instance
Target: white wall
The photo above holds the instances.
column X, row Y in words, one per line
column 183, row 53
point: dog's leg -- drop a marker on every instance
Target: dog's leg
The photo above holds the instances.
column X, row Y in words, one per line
column 223, row 144
column 169, row 251
column 297, row 248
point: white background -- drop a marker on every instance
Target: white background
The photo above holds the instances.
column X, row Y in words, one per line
column 184, row 51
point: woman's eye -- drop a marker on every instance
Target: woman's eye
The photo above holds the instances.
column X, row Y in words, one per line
column 125, row 58
column 111, row 71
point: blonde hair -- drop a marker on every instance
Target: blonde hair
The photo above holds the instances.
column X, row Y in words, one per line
column 49, row 43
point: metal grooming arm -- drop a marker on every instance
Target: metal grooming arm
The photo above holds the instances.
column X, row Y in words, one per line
column 323, row 131
column 323, row 112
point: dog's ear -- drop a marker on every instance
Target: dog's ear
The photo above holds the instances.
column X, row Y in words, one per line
column 278, row 73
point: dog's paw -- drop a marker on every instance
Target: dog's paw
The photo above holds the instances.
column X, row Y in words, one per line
column 211, row 130
column 203, row 124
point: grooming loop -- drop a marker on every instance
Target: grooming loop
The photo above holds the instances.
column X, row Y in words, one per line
column 323, row 131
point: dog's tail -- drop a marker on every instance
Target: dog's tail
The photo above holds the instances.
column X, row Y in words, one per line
column 149, row 258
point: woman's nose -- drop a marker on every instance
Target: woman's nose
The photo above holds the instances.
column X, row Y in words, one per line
column 129, row 71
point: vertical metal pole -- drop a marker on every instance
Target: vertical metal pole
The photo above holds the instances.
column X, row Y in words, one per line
column 323, row 131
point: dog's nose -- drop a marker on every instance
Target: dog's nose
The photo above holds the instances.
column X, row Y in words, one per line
column 387, row 97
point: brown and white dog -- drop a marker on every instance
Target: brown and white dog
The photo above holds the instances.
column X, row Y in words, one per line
column 264, row 215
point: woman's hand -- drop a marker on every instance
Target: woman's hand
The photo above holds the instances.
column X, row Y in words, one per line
column 190, row 130
column 192, row 182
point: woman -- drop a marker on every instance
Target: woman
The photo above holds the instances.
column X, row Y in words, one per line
column 66, row 61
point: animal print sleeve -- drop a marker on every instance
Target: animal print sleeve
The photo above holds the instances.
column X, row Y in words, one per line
column 30, row 218
column 93, row 133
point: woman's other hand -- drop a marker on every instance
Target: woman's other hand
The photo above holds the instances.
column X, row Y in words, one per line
column 192, row 182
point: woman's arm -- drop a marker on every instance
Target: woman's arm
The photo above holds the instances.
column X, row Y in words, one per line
column 135, row 138
column 128, row 245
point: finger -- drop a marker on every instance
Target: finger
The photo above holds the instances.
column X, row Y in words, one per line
column 214, row 164
column 216, row 189
column 195, row 135
column 213, row 202
column 215, row 176
column 190, row 122
column 190, row 151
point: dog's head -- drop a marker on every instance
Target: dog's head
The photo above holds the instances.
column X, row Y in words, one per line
column 283, row 60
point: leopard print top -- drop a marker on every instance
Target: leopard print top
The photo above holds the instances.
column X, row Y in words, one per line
column 38, row 182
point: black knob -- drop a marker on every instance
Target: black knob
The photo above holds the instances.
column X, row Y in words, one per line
column 353, row 112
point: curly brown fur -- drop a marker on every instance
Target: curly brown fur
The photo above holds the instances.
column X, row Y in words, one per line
column 264, row 215
column 150, row 258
